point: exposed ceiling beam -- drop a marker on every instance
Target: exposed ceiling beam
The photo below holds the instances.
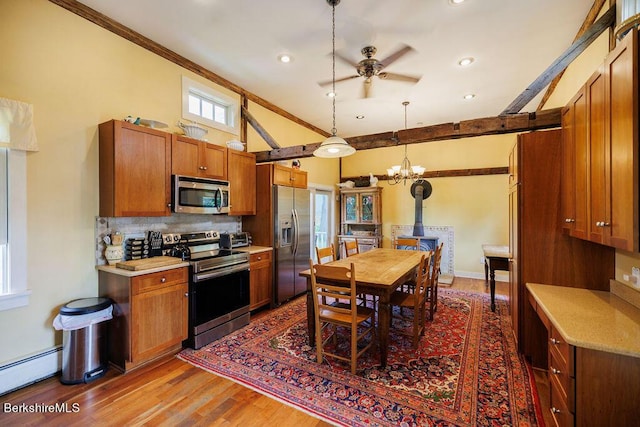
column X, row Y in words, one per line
column 258, row 128
column 588, row 21
column 521, row 122
column 127, row 33
column 562, row 62
column 499, row 170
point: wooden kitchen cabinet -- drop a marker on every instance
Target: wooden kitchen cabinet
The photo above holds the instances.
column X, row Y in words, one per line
column 192, row 157
column 589, row 387
column 241, row 172
column 261, row 292
column 608, row 151
column 541, row 251
column 574, row 165
column 290, row 177
column 135, row 170
column 150, row 316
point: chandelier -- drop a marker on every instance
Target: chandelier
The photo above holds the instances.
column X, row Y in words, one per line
column 334, row 146
column 405, row 171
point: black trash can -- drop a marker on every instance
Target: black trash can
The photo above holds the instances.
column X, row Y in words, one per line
column 84, row 339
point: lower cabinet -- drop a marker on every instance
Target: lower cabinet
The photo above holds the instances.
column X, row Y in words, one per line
column 150, row 315
column 589, row 387
column 261, row 290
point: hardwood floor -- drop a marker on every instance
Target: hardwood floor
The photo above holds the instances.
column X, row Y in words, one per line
column 172, row 392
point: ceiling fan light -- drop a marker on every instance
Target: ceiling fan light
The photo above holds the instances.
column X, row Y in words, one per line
column 334, row 146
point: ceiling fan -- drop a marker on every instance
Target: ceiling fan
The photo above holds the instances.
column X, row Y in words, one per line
column 370, row 67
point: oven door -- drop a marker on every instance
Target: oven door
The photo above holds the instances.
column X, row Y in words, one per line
column 218, row 303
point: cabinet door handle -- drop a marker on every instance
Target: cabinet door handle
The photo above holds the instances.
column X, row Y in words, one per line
column 554, row 341
column 168, row 205
column 555, row 371
column 259, row 258
column 164, row 279
column 186, row 294
column 606, row 224
column 569, row 220
column 555, row 410
column 204, row 168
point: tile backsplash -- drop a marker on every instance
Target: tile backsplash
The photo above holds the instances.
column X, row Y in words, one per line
column 176, row 223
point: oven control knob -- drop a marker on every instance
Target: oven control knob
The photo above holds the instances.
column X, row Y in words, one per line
column 209, row 235
column 168, row 238
column 176, row 237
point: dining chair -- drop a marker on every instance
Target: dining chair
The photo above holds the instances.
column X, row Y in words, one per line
column 406, row 243
column 409, row 244
column 331, row 282
column 417, row 299
column 434, row 275
column 351, row 247
column 325, row 255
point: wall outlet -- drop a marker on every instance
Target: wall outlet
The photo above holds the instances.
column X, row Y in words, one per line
column 481, row 260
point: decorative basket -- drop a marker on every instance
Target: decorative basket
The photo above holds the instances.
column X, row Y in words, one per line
column 193, row 130
column 235, row 145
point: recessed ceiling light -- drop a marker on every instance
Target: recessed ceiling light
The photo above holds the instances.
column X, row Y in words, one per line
column 285, row 58
column 331, row 94
column 469, row 96
column 456, row 2
column 360, row 117
column 464, row 62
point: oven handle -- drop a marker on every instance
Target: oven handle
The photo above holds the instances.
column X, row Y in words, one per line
column 200, row 277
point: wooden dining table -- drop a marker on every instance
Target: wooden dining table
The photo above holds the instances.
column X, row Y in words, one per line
column 378, row 272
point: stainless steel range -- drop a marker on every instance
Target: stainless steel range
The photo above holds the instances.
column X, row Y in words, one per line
column 218, row 285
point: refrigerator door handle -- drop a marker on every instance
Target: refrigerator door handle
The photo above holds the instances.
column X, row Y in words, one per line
column 296, row 233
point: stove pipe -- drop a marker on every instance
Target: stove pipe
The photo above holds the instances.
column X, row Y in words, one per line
column 418, row 228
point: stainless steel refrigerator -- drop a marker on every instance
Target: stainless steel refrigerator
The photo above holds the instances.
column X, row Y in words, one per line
column 292, row 235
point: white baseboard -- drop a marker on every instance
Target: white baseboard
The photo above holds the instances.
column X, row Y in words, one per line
column 500, row 276
column 29, row 370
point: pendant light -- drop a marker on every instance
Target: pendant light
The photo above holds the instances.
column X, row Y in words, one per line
column 334, row 146
column 404, row 171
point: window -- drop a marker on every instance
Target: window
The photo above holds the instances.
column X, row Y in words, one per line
column 205, row 105
column 13, row 229
column 322, row 208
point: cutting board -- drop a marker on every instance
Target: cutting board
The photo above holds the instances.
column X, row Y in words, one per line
column 147, row 263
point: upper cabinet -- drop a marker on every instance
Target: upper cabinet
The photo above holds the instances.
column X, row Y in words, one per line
column 600, row 128
column 193, row 157
column 135, row 170
column 283, row 175
column 242, row 182
column 361, row 205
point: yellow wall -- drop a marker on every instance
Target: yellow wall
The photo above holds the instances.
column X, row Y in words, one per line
column 78, row 75
column 476, row 206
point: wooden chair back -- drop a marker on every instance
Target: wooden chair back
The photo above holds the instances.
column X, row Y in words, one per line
column 434, row 275
column 417, row 300
column 332, row 283
column 407, row 243
column 325, row 255
column 351, row 247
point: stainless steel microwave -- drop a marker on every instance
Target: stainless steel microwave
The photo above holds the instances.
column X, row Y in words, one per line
column 199, row 195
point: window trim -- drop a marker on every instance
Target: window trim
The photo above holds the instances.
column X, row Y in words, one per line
column 17, row 233
column 217, row 97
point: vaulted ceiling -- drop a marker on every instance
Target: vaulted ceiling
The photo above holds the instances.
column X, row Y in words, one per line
column 511, row 41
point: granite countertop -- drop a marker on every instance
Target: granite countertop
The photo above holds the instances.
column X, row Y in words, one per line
column 132, row 273
column 596, row 320
column 253, row 249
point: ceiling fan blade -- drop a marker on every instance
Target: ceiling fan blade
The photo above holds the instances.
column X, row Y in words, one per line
column 346, row 60
column 399, row 77
column 329, row 82
column 396, row 55
column 366, row 88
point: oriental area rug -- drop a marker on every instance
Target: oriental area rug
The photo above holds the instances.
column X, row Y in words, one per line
column 466, row 371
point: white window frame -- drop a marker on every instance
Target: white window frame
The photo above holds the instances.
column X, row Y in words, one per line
column 332, row 236
column 216, row 97
column 16, row 260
